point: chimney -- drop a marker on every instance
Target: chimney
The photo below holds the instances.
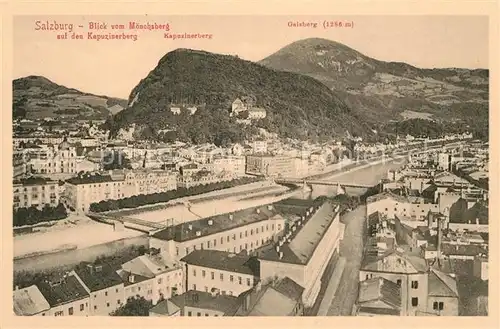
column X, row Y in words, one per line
column 439, row 237
column 477, row 221
column 131, row 278
column 210, row 222
column 198, row 233
column 258, row 210
column 190, row 227
column 231, row 216
column 277, row 248
column 281, row 254
column 270, row 207
column 90, row 267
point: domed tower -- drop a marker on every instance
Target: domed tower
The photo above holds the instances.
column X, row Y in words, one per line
column 64, row 146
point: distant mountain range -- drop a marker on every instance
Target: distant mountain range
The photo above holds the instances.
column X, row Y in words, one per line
column 382, row 91
column 36, row 97
column 312, row 88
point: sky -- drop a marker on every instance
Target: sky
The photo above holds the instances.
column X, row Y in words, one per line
column 114, row 67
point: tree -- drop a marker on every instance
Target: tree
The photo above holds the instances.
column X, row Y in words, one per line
column 135, row 306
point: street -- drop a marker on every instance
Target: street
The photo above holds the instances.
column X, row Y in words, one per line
column 351, row 248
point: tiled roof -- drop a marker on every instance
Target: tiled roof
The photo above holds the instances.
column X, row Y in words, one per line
column 97, row 278
column 89, row 179
column 165, row 307
column 306, row 237
column 29, row 301
column 125, row 275
column 273, row 303
column 392, row 261
column 204, row 300
column 386, row 195
column 220, row 223
column 34, row 181
column 221, row 260
column 442, row 285
column 67, row 291
column 380, row 289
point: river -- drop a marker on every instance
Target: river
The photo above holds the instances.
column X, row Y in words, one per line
column 369, row 175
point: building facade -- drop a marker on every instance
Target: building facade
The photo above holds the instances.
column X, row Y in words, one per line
column 36, row 192
column 213, row 270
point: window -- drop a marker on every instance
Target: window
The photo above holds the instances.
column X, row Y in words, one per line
column 189, row 313
column 398, row 282
column 414, row 301
column 414, row 284
column 395, row 209
column 206, row 289
column 231, row 278
column 177, row 251
column 230, row 293
column 116, row 290
column 257, row 230
column 70, row 311
column 228, row 238
column 206, row 314
column 215, row 242
column 118, row 302
column 107, row 304
column 386, row 209
column 222, row 240
column 59, row 313
column 212, row 274
column 199, row 314
column 95, row 307
column 279, row 227
column 159, row 281
column 187, row 251
column 246, row 233
column 222, row 277
column 241, row 235
column 272, row 227
column 82, row 307
column 251, row 232
column 366, row 277
column 194, row 287
column 203, row 273
column 194, row 272
column 239, row 279
column 438, row 306
column 234, row 236
column 248, row 282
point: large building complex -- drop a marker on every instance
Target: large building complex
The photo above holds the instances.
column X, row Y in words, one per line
column 304, row 251
column 83, row 190
column 247, row 230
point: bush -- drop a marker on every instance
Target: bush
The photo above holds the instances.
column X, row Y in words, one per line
column 149, row 199
column 32, row 215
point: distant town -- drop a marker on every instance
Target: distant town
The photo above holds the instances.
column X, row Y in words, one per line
column 268, row 227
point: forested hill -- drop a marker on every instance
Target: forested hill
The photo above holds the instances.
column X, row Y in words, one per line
column 297, row 106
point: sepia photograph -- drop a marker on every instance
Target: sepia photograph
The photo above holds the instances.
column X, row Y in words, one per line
column 245, row 165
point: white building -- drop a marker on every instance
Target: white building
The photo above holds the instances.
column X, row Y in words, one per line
column 214, row 270
column 303, row 253
column 248, row 229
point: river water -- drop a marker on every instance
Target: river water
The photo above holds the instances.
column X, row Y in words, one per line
column 368, row 176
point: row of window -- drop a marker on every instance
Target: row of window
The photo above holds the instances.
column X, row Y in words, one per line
column 223, row 292
column 198, row 314
column 221, row 276
column 210, row 244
